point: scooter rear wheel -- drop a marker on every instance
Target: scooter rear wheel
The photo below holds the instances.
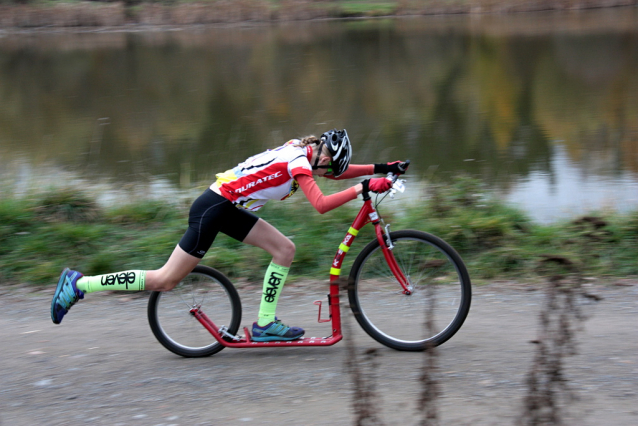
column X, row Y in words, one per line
column 174, row 325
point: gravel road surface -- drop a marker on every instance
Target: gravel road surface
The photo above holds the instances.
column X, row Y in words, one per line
column 102, row 365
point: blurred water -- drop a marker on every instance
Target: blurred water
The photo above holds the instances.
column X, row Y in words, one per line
column 542, row 106
column 567, row 192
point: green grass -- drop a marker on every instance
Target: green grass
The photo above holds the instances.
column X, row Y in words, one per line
column 41, row 234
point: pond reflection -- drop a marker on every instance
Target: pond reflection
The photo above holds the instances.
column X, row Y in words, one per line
column 519, row 101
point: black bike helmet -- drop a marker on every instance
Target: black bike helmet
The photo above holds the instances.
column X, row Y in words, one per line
column 340, row 149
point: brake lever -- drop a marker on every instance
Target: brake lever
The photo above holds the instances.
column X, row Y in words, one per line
column 398, row 186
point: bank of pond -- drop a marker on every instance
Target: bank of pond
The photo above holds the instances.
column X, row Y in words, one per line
column 87, row 14
column 44, row 232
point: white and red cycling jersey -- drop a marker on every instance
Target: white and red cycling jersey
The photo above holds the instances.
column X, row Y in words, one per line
column 266, row 176
column 276, row 174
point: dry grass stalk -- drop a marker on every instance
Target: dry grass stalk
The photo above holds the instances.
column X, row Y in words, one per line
column 560, row 318
column 363, row 374
column 430, row 388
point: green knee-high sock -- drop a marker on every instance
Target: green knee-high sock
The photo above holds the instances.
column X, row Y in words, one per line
column 126, row 280
column 273, row 283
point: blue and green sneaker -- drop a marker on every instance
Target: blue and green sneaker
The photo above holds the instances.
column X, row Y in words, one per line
column 276, row 331
column 66, row 294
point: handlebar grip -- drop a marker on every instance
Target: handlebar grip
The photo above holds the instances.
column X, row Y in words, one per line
column 394, row 177
column 391, row 176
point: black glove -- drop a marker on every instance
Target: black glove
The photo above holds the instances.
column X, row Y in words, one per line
column 396, row 167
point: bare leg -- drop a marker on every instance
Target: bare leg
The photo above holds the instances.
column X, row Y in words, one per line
column 180, row 264
column 267, row 237
column 168, row 276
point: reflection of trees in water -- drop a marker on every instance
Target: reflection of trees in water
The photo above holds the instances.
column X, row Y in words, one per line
column 196, row 102
column 585, row 97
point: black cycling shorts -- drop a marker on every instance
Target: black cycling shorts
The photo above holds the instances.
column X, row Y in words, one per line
column 211, row 213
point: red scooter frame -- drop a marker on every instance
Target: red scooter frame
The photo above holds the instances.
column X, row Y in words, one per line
column 366, row 215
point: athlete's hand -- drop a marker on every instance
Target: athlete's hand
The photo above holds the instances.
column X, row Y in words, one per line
column 380, row 185
column 395, row 167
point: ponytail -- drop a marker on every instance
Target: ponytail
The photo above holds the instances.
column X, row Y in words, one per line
column 307, row 140
column 312, row 140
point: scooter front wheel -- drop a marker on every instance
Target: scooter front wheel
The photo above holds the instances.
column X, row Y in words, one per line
column 439, row 299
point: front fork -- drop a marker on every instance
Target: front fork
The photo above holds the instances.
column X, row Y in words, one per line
column 383, row 236
column 368, row 214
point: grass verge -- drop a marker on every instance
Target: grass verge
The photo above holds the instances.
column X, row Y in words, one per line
column 42, row 233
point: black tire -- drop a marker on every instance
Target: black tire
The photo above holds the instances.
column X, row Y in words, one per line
column 177, row 329
column 441, row 286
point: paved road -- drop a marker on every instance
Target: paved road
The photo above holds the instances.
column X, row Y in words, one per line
column 103, row 366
